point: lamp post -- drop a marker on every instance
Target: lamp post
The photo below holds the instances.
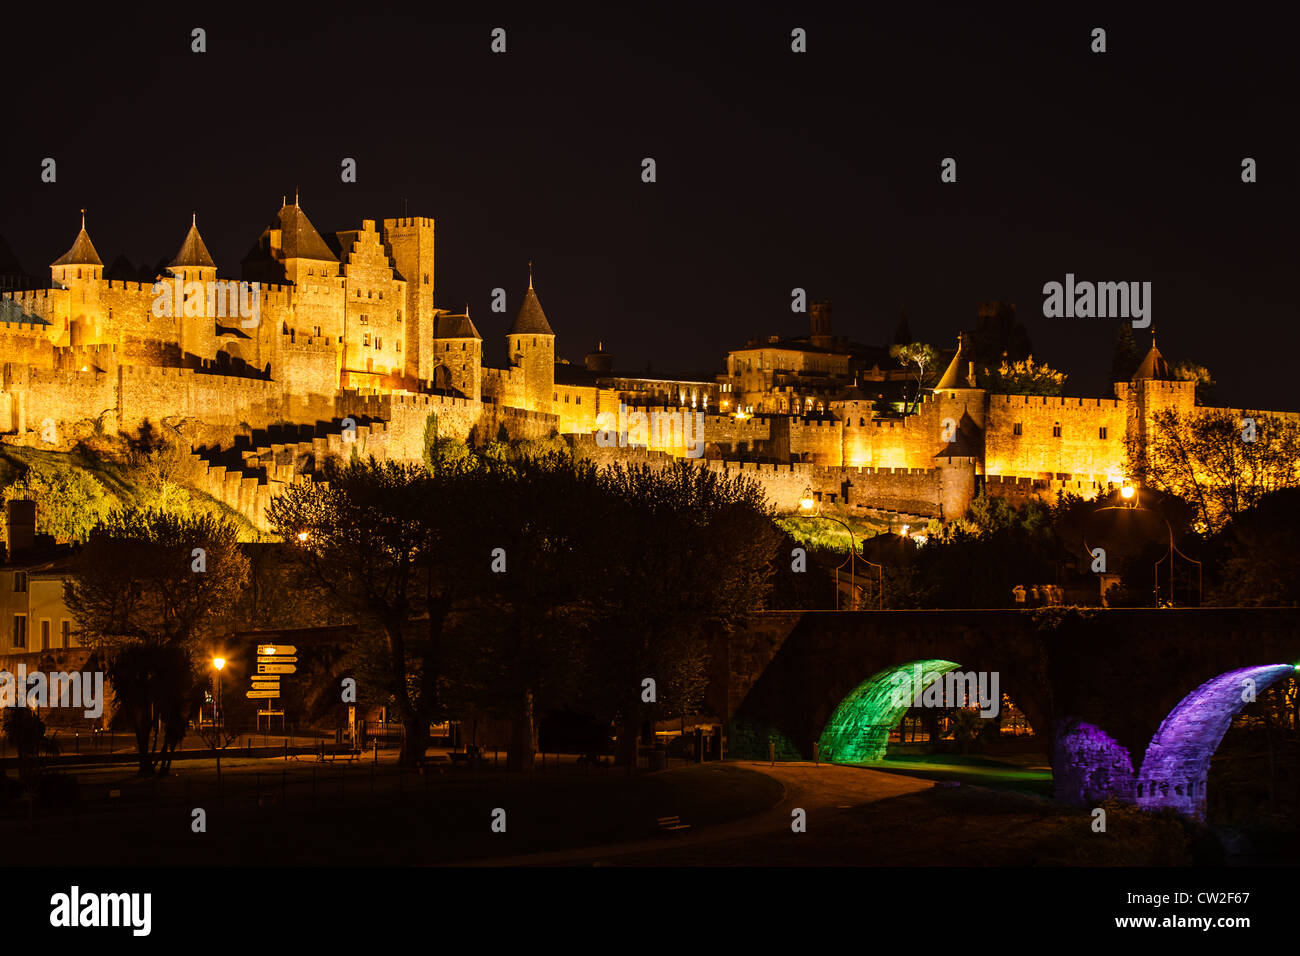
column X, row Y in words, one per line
column 808, row 506
column 1169, row 555
column 1129, row 494
column 218, row 663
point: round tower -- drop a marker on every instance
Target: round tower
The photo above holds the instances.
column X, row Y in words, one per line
column 203, row 305
column 81, row 271
column 530, row 344
column 961, row 405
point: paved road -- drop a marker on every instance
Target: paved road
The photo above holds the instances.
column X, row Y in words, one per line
column 821, row 791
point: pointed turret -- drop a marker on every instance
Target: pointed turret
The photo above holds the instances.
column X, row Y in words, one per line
column 193, row 252
column 79, row 262
column 530, row 343
column 531, row 320
column 961, row 370
column 1154, row 366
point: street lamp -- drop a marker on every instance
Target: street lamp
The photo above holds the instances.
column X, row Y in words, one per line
column 808, row 506
column 302, row 537
column 1169, row 556
column 218, row 663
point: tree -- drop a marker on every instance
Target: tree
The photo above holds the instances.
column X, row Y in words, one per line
column 691, row 556
column 365, row 537
column 147, row 589
column 1186, row 370
column 922, row 359
column 1024, row 377
column 1262, row 567
column 1125, row 358
column 1206, row 459
column 538, row 535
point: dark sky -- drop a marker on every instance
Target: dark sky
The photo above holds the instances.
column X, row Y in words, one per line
column 775, row 170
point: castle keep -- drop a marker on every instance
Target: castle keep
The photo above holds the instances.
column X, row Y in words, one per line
column 335, row 339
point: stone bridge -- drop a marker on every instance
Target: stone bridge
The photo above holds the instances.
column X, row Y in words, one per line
column 1130, row 703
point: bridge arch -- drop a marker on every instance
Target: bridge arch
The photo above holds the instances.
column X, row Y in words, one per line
column 1177, row 762
column 858, row 729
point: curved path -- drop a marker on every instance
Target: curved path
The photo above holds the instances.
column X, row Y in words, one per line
column 822, row 791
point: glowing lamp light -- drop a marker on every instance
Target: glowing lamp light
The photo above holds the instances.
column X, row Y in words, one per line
column 302, row 535
column 218, row 662
column 1126, row 491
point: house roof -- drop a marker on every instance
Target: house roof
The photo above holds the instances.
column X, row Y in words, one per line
column 446, row 326
column 298, row 238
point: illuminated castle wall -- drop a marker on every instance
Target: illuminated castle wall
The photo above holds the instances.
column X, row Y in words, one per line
column 348, row 318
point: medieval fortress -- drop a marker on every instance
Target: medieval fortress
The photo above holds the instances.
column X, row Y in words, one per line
column 332, row 344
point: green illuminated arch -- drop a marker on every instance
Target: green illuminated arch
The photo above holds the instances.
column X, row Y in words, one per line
column 858, row 730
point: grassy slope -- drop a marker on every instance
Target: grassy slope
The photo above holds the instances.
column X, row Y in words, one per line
column 116, row 480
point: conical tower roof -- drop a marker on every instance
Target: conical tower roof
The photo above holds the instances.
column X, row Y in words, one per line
column 1154, row 366
column 957, row 375
column 193, row 252
column 82, row 252
column 531, row 320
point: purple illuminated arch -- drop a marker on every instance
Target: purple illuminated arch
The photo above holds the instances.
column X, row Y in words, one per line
column 1088, row 765
column 1177, row 762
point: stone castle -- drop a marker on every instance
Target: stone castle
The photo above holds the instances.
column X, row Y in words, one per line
column 346, row 345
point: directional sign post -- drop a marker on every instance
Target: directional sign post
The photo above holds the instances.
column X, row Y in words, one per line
column 272, row 661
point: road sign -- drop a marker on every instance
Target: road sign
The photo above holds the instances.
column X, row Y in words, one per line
column 277, row 649
column 276, row 669
column 267, row 694
column 268, row 659
column 266, row 683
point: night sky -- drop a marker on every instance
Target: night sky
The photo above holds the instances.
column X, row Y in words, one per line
column 775, row 170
